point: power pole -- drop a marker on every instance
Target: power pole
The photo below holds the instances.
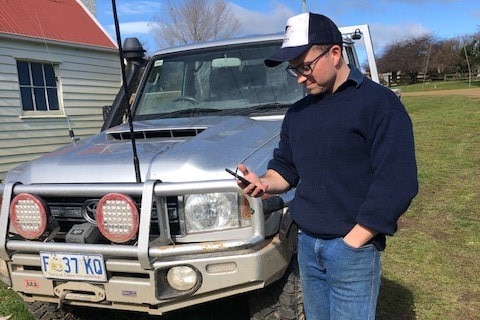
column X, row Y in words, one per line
column 304, row 5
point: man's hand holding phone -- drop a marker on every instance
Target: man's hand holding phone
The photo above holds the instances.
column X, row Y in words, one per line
column 250, row 182
column 242, row 179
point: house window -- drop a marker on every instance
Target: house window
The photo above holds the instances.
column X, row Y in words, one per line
column 38, row 86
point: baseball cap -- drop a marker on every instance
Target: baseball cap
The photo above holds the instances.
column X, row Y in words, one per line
column 303, row 31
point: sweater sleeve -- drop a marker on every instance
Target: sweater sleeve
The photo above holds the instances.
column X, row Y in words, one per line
column 282, row 161
column 394, row 181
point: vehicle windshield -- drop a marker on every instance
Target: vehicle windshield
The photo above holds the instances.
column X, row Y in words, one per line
column 223, row 80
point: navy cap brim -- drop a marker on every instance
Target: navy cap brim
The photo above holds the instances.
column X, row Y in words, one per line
column 285, row 54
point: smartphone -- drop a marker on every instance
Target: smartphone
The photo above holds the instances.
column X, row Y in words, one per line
column 244, row 181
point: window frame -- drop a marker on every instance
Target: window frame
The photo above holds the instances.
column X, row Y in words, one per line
column 43, row 85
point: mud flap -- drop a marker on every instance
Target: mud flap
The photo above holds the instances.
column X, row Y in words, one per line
column 285, row 226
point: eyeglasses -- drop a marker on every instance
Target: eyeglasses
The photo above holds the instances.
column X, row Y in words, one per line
column 306, row 68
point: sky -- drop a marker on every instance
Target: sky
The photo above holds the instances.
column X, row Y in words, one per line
column 388, row 20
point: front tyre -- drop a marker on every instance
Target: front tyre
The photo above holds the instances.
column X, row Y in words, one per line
column 49, row 311
column 46, row 311
column 282, row 300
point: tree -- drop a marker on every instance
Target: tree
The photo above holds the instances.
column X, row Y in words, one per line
column 408, row 56
column 446, row 57
column 191, row 21
column 426, row 54
column 470, row 47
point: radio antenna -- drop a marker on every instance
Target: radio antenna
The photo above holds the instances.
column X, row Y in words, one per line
column 71, row 133
column 127, row 95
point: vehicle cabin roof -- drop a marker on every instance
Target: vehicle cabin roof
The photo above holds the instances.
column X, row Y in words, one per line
column 247, row 40
column 276, row 37
column 66, row 21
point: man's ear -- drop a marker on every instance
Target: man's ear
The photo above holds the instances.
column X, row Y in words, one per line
column 336, row 52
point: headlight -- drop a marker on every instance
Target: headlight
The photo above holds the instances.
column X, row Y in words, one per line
column 214, row 211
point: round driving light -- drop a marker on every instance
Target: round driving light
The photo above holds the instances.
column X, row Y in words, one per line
column 28, row 216
column 117, row 217
column 182, row 278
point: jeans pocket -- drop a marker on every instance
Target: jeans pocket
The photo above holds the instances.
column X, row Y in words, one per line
column 365, row 247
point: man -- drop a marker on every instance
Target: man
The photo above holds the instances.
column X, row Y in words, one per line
column 348, row 149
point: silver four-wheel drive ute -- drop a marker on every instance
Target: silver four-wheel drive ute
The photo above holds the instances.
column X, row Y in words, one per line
column 79, row 232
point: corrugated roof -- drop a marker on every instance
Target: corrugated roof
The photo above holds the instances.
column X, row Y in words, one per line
column 60, row 20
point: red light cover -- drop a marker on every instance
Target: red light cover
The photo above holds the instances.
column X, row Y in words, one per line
column 42, row 216
column 115, row 237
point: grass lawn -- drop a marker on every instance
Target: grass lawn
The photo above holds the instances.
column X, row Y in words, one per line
column 440, row 85
column 431, row 267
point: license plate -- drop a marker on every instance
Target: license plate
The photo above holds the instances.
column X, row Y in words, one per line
column 73, row 266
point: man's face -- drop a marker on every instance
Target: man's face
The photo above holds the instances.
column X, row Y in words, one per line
column 320, row 66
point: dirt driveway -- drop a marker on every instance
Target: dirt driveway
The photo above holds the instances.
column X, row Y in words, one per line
column 471, row 92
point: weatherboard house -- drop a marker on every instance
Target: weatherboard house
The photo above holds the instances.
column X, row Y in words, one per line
column 58, row 69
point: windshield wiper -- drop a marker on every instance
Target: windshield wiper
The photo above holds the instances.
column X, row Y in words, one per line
column 188, row 112
column 262, row 108
column 268, row 107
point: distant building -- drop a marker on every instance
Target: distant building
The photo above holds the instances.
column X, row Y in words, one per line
column 58, row 69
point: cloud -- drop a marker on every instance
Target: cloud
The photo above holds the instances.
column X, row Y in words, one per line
column 383, row 34
column 255, row 22
column 140, row 8
column 137, row 27
column 131, row 28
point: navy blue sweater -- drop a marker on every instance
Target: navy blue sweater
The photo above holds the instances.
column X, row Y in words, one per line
column 351, row 157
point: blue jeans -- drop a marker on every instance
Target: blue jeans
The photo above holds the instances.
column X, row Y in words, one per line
column 339, row 282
